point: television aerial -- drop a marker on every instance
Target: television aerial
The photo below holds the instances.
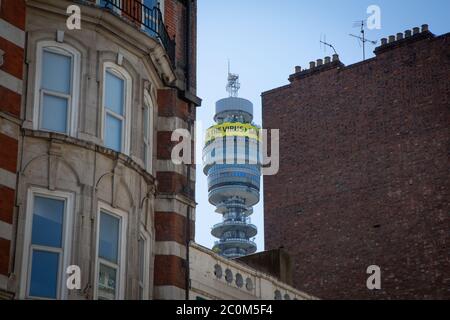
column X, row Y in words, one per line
column 362, row 37
column 323, row 40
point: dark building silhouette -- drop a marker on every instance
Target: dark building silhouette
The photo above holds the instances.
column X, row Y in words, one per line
column 364, row 171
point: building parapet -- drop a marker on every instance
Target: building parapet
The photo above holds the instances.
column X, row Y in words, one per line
column 317, row 66
column 401, row 38
column 329, row 63
column 216, row 277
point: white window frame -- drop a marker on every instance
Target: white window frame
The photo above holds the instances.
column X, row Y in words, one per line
column 145, row 236
column 148, row 136
column 121, row 264
column 126, row 118
column 73, row 97
column 65, row 251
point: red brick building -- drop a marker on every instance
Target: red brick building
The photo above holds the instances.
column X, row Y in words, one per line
column 364, row 171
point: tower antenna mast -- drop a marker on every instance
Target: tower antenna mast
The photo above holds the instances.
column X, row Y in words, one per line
column 233, row 84
column 362, row 37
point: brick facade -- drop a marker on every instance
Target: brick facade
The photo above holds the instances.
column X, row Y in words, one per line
column 363, row 174
column 12, row 19
column 175, row 108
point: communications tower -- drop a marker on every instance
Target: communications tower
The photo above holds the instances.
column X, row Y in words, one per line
column 232, row 164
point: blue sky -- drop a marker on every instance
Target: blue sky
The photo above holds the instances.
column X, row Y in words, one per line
column 265, row 40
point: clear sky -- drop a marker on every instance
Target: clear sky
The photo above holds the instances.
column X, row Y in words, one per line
column 265, row 40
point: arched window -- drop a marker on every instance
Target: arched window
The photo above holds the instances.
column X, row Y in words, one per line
column 56, row 88
column 148, row 131
column 116, row 108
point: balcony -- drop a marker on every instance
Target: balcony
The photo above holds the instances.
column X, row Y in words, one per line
column 149, row 20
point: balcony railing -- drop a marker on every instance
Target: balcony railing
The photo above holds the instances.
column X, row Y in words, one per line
column 149, row 19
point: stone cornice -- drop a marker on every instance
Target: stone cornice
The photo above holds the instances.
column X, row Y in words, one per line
column 120, row 157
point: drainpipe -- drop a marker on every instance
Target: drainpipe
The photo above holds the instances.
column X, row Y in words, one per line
column 188, row 225
column 187, row 79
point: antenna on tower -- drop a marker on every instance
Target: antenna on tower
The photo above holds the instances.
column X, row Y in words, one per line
column 233, row 84
column 362, row 37
column 327, row 44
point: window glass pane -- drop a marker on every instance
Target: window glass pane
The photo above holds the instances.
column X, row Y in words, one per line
column 44, row 274
column 56, row 72
column 48, row 218
column 113, row 133
column 114, row 87
column 109, row 237
column 107, row 282
column 54, row 113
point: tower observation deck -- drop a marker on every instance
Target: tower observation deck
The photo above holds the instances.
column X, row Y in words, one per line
column 232, row 163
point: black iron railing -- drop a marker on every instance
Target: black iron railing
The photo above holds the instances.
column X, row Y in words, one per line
column 149, row 19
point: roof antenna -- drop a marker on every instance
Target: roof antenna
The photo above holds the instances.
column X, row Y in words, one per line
column 233, row 84
column 362, row 37
column 327, row 44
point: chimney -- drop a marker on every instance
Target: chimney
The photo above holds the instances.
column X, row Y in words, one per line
column 319, row 62
column 407, row 33
column 298, row 69
column 335, row 57
column 416, row 30
column 391, row 39
column 424, row 28
column 399, row 36
column 327, row 60
column 383, row 41
column 312, row 65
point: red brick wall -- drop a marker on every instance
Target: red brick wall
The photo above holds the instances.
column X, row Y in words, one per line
column 170, row 271
column 364, row 174
column 175, row 18
column 171, row 226
column 13, row 13
column 169, row 105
